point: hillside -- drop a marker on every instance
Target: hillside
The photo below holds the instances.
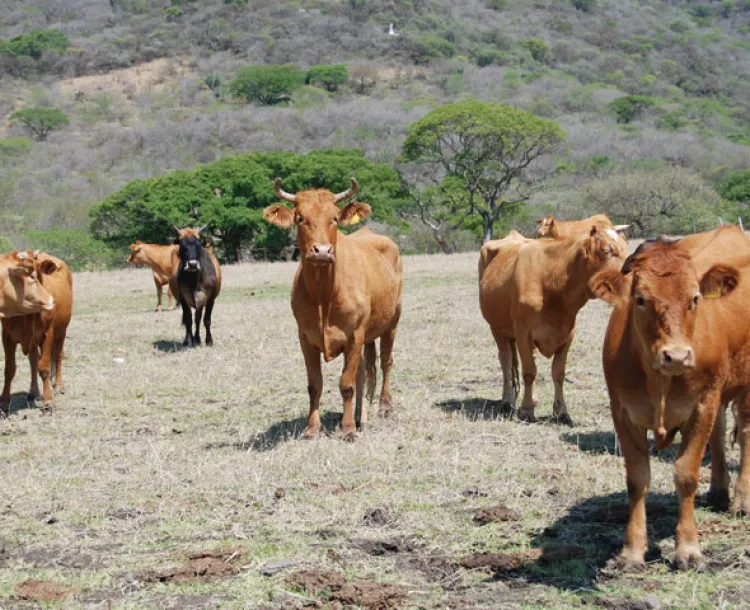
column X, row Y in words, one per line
column 134, row 82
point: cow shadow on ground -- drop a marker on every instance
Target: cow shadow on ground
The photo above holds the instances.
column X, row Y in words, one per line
column 576, row 549
column 19, row 401
column 168, row 347
column 281, row 432
column 476, row 408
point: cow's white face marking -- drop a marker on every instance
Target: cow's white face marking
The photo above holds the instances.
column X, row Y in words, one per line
column 612, row 233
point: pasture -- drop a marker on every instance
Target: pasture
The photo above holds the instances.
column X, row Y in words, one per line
column 171, row 478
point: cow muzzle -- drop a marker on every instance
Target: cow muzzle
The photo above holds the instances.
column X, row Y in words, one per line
column 321, row 254
column 49, row 305
column 675, row 359
column 193, row 265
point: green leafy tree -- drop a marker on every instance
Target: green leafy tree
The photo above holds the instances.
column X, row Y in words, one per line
column 629, row 107
column 39, row 122
column 35, row 43
column 487, row 149
column 330, row 77
column 736, row 188
column 266, row 85
column 231, row 195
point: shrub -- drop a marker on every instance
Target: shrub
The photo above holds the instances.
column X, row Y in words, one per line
column 629, row 107
column 35, row 43
column 736, row 186
column 75, row 246
column 538, row 48
column 486, row 57
column 265, row 85
column 40, row 121
column 424, row 48
column 14, row 148
column 587, row 6
column 330, row 77
column 702, row 14
column 672, row 121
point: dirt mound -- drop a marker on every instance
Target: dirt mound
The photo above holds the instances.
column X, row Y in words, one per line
column 508, row 562
column 42, row 591
column 335, row 589
column 202, row 566
column 400, row 544
column 495, row 514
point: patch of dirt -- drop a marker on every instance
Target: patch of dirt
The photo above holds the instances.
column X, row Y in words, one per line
column 378, row 517
column 42, row 591
column 622, row 603
column 338, row 488
column 435, row 568
column 202, row 566
column 314, row 581
column 372, row 595
column 400, row 544
column 719, row 527
column 508, row 562
column 496, row 514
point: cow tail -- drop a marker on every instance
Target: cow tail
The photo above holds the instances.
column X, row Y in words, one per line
column 735, row 429
column 514, row 367
column 371, row 371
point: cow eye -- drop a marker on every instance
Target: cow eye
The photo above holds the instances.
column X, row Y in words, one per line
column 300, row 219
column 696, row 298
column 639, row 300
column 335, row 220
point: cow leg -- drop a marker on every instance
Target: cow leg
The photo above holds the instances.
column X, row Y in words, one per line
column 506, row 356
column 170, row 297
column 9, row 347
column 360, row 409
column 158, row 292
column 559, row 408
column 198, row 316
column 314, row 386
column 187, row 320
column 741, row 501
column 45, row 367
column 207, row 321
column 33, row 395
column 352, row 356
column 386, row 364
column 528, row 367
column 718, row 493
column 695, row 435
column 634, row 445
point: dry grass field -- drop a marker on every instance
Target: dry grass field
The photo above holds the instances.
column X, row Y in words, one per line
column 171, row 478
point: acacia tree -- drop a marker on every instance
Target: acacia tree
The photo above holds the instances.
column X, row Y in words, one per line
column 486, row 148
column 40, row 121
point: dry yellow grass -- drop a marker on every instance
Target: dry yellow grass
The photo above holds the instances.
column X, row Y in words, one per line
column 156, row 452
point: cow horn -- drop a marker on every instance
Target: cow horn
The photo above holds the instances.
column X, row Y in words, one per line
column 281, row 194
column 348, row 193
column 176, row 228
column 203, row 228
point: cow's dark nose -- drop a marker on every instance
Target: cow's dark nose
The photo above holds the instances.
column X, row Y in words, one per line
column 675, row 359
column 322, row 253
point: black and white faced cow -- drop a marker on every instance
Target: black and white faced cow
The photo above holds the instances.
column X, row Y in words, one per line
column 195, row 282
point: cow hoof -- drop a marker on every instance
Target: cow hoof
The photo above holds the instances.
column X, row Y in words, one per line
column 740, row 505
column 350, row 436
column 59, row 389
column 4, row 412
column 563, row 419
column 527, row 415
column 718, row 499
column 209, row 341
column 693, row 561
column 32, row 398
column 624, row 564
column 362, row 427
column 48, row 407
column 311, row 433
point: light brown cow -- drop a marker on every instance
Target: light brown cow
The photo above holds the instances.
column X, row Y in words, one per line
column 42, row 331
column 20, row 291
column 346, row 294
column 160, row 259
column 549, row 226
column 677, row 347
column 530, row 291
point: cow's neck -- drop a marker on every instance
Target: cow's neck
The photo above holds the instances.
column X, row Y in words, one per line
column 573, row 284
column 320, row 284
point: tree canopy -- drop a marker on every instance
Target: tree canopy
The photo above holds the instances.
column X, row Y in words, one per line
column 40, row 121
column 266, row 85
column 231, row 195
column 478, row 156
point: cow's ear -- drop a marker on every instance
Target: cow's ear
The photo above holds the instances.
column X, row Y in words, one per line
column 607, row 285
column 47, row 266
column 279, row 215
column 719, row 281
column 353, row 213
column 138, row 242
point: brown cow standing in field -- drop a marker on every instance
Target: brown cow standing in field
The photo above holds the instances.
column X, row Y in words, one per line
column 42, row 331
column 159, row 258
column 530, row 292
column 346, row 294
column 196, row 282
column 549, row 226
column 677, row 347
column 20, row 291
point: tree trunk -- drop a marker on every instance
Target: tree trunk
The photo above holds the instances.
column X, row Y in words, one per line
column 487, row 226
column 444, row 245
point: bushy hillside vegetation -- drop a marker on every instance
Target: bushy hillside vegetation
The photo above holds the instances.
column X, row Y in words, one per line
column 640, row 88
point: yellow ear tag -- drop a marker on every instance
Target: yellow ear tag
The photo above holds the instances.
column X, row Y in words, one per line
column 714, row 294
column 354, row 219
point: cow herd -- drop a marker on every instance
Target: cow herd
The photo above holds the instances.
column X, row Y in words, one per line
column 676, row 349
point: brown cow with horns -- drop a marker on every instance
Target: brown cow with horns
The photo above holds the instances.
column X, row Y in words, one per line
column 677, row 347
column 346, row 294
